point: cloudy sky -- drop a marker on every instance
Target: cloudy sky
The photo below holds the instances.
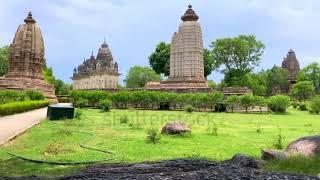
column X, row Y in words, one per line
column 73, row 28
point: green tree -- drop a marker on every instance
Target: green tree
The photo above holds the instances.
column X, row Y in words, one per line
column 256, row 82
column 237, row 56
column 259, row 101
column 303, row 91
column 138, row 76
column 246, row 101
column 4, row 53
column 212, row 84
column 159, row 60
column 315, row 105
column 232, row 101
column 276, row 78
column 311, row 73
column 61, row 88
column 208, row 62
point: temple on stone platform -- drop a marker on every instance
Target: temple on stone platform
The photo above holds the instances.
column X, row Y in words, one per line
column 26, row 60
column 100, row 72
column 291, row 64
column 186, row 56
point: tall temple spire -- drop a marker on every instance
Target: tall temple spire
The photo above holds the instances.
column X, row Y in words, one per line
column 190, row 15
column 29, row 19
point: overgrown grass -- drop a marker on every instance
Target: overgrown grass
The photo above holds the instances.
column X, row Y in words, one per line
column 296, row 164
column 236, row 133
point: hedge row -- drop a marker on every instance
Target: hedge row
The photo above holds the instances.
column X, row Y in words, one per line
column 8, row 96
column 155, row 100
column 18, row 107
column 147, row 99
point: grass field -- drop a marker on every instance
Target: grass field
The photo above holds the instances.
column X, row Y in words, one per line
column 236, row 133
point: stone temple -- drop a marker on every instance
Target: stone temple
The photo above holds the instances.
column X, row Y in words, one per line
column 186, row 56
column 291, row 63
column 99, row 72
column 26, row 61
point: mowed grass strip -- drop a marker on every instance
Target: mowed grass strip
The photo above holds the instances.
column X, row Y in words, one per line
column 234, row 133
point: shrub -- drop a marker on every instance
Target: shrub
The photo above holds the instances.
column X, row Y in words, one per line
column 303, row 107
column 8, row 96
column 315, row 105
column 105, row 105
column 153, row 136
column 18, row 107
column 81, row 103
column 278, row 142
column 294, row 104
column 78, row 113
column 279, row 103
column 303, row 90
column 34, row 95
column 124, row 119
column 189, row 109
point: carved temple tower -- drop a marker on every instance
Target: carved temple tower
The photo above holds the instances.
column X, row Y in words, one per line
column 26, row 60
column 291, row 64
column 186, row 56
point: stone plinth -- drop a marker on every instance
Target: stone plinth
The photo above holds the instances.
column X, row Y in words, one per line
column 28, row 83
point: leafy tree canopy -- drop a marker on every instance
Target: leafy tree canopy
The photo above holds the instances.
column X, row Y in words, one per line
column 237, row 56
column 311, row 73
column 303, row 90
column 276, row 78
column 138, row 76
column 4, row 53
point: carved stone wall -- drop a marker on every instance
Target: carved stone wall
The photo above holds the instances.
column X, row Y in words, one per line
column 102, row 81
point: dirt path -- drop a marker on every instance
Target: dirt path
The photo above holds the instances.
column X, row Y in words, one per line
column 13, row 125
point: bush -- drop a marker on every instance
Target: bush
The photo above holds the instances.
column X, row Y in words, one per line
column 8, row 96
column 279, row 103
column 153, row 136
column 124, row 119
column 105, row 105
column 303, row 107
column 315, row 105
column 34, row 95
column 294, row 104
column 18, row 107
column 78, row 113
column 189, row 109
column 81, row 103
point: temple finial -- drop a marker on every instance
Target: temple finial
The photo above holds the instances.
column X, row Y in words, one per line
column 190, row 15
column 29, row 18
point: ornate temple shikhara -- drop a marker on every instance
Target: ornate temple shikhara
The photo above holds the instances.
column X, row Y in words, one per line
column 186, row 56
column 99, row 72
column 291, row 64
column 26, row 61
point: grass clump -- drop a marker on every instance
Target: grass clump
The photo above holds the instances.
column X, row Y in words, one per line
column 105, row 105
column 78, row 113
column 279, row 139
column 124, row 119
column 295, row 164
column 189, row 109
column 153, row 136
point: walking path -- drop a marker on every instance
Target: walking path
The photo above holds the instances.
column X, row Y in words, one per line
column 13, row 125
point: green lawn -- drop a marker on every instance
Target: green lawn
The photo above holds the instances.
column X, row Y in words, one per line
column 237, row 133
